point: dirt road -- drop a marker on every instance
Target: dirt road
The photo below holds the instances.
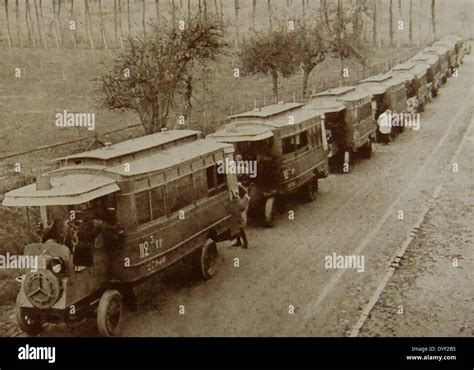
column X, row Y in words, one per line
column 281, row 286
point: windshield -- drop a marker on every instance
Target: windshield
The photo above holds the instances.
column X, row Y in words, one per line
column 254, row 150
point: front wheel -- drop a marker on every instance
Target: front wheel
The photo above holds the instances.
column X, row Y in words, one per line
column 26, row 323
column 109, row 313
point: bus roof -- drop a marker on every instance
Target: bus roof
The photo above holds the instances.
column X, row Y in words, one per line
column 64, row 190
column 134, row 146
column 170, row 157
column 268, row 111
column 344, row 93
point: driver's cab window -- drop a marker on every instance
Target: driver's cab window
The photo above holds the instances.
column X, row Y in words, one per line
column 78, row 227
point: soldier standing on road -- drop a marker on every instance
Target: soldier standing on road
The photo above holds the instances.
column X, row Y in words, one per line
column 238, row 210
column 384, row 122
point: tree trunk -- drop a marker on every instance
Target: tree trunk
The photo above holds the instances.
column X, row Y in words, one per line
column 8, row 24
column 38, row 24
column 55, row 26
column 433, row 19
column 237, row 23
column 254, row 13
column 410, row 29
column 120, row 22
column 270, row 15
column 374, row 24
column 306, row 74
column 73, row 32
column 60, row 25
column 88, row 23
column 116, row 24
column 128, row 19
column 43, row 28
column 390, row 12
column 189, row 8
column 18, row 28
column 303, row 10
column 173, row 12
column 102, row 27
column 157, row 10
column 222, row 11
column 144, row 18
column 31, row 38
column 275, row 84
column 216, row 8
column 205, row 8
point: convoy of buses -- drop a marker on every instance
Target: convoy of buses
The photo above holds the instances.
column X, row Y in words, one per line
column 113, row 216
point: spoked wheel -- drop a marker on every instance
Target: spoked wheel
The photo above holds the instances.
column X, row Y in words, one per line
column 205, row 259
column 109, row 313
column 270, row 212
column 26, row 323
column 311, row 189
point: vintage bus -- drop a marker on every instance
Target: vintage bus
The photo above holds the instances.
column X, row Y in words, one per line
column 288, row 146
column 442, row 53
column 387, row 92
column 435, row 71
column 352, row 124
column 114, row 216
column 416, row 82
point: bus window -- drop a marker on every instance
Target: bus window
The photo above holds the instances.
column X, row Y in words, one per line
column 142, row 205
column 302, row 140
column 200, row 184
column 158, row 202
column 180, row 193
column 288, row 145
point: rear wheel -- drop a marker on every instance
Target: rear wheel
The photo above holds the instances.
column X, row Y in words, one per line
column 310, row 189
column 205, row 260
column 26, row 323
column 109, row 313
column 367, row 149
column 270, row 212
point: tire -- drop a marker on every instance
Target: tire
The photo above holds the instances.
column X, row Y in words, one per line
column 109, row 313
column 27, row 324
column 310, row 189
column 270, row 212
column 205, row 260
column 367, row 149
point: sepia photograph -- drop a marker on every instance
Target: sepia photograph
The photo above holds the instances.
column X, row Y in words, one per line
column 237, row 169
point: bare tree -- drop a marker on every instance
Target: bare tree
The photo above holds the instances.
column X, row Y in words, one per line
column 144, row 18
column 374, row 23
column 173, row 12
column 41, row 18
column 128, row 19
column 433, row 19
column 60, row 25
column 310, row 49
column 18, row 28
column 272, row 53
column 88, row 23
column 31, row 37
column 160, row 71
column 254, row 13
column 102, row 27
column 71, row 18
column 237, row 22
column 119, row 8
column 390, row 26
column 157, row 10
column 410, row 29
column 270, row 14
column 8, row 24
column 41, row 36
